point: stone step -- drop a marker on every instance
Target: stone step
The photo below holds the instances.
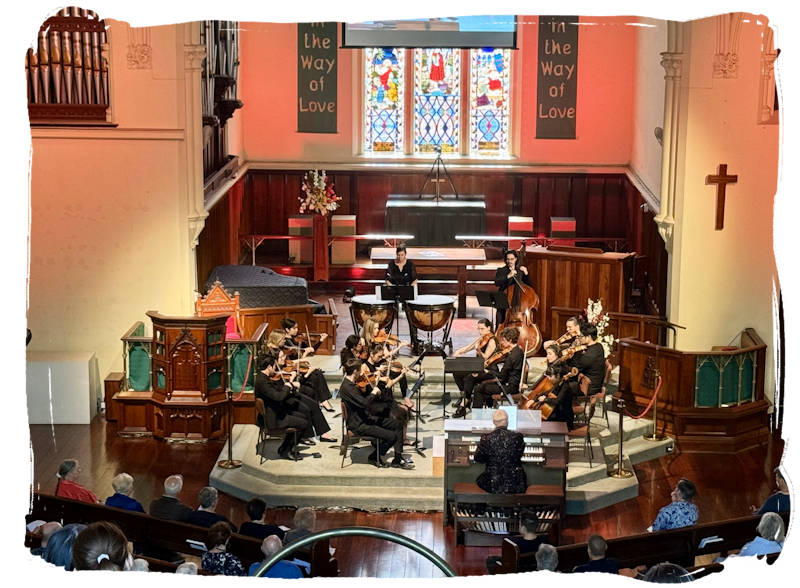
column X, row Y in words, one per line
column 639, row 450
column 602, row 492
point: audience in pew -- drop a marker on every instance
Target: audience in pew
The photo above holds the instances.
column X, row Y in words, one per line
column 778, row 502
column 59, row 547
column 304, row 519
column 598, row 562
column 123, row 484
column 528, row 542
column 188, row 567
column 667, row 573
column 217, row 560
column 681, row 512
column 771, row 534
column 168, row 506
column 101, row 546
column 45, row 531
column 67, row 485
column 282, row 569
column 546, row 558
column 257, row 527
column 205, row 516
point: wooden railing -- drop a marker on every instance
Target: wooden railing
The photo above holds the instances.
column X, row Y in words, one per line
column 67, row 72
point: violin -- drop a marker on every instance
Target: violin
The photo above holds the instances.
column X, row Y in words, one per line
column 498, row 356
column 484, row 340
column 569, row 352
column 302, row 367
column 384, row 337
column 564, row 338
column 364, row 380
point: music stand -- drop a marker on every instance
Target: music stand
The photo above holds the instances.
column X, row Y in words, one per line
column 398, row 294
column 417, row 385
column 457, row 365
column 493, row 299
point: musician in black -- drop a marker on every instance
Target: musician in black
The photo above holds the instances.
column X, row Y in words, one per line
column 509, row 376
column 485, row 346
column 401, row 270
column 363, row 418
column 590, row 362
column 296, row 343
column 507, row 275
column 287, row 407
column 560, row 397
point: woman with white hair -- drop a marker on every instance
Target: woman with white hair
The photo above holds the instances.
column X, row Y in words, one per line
column 771, row 533
column 123, row 484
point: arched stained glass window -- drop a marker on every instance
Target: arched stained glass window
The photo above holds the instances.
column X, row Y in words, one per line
column 489, row 97
column 384, row 71
column 437, row 99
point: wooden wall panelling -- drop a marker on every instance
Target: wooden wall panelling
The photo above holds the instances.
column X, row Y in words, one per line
column 213, row 245
column 594, row 207
column 545, row 193
column 579, row 198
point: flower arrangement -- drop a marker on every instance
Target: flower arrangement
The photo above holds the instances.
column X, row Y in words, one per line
column 595, row 315
column 319, row 195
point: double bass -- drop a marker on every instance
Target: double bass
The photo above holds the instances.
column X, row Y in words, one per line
column 523, row 302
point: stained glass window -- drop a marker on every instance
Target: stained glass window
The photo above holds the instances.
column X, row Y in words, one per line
column 383, row 101
column 437, row 99
column 489, row 109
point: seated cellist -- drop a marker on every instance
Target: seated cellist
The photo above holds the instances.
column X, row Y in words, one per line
column 559, row 398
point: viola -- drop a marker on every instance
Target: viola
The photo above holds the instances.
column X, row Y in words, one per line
column 302, row 367
column 484, row 340
column 384, row 337
column 364, row 380
column 570, row 351
column 498, row 356
column 564, row 338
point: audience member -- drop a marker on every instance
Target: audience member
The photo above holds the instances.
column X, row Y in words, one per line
column 681, row 512
column 217, row 560
column 123, row 484
column 528, row 542
column 546, row 558
column 59, row 547
column 598, row 562
column 188, row 567
column 282, row 569
column 667, row 573
column 257, row 527
column 168, row 506
column 140, row 565
column 101, row 546
column 304, row 519
column 778, row 502
column 67, row 485
column 45, row 531
column 205, row 516
column 771, row 535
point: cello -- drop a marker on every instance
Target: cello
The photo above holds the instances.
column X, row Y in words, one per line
column 523, row 301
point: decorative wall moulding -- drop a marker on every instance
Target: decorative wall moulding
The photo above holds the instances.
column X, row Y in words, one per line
column 726, row 57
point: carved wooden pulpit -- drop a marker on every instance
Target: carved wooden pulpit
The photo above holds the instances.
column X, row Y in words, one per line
column 188, row 357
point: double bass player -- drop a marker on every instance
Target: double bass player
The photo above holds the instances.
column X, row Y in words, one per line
column 510, row 273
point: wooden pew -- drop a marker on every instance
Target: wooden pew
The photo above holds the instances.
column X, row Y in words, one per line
column 678, row 546
column 165, row 535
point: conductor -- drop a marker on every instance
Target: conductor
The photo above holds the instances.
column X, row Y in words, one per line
column 501, row 451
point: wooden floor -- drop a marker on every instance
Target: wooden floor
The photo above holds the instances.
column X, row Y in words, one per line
column 727, row 486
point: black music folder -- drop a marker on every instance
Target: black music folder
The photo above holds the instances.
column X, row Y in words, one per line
column 492, row 298
column 463, row 365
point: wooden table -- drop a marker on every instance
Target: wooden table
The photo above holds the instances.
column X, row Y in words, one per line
column 437, row 257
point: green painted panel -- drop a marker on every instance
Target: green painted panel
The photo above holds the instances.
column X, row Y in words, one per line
column 239, row 361
column 162, row 380
column 707, row 385
column 747, row 379
column 214, row 380
column 730, row 383
column 139, row 368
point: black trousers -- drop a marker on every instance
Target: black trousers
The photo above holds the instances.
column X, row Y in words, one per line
column 468, row 383
column 299, row 420
column 315, row 381
column 403, row 381
column 482, row 397
column 388, row 431
column 309, row 407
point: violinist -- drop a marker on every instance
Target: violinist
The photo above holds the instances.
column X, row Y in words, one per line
column 590, row 362
column 275, row 341
column 372, row 333
column 560, row 397
column 510, row 375
column 571, row 337
column 287, row 407
column 313, row 378
column 508, row 274
column 401, row 270
column 354, row 348
column 377, row 361
column 485, row 346
column 364, row 419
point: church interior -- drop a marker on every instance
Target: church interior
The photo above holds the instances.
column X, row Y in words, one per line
column 180, row 219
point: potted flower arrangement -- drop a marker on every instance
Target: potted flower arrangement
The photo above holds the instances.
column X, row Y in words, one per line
column 595, row 315
column 319, row 194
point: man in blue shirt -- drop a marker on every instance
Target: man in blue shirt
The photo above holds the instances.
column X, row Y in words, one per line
column 778, row 502
column 283, row 569
column 122, row 484
column 681, row 512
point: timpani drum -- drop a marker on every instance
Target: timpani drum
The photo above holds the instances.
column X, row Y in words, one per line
column 429, row 313
column 368, row 305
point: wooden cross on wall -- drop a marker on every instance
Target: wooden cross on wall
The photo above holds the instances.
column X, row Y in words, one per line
column 722, row 179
